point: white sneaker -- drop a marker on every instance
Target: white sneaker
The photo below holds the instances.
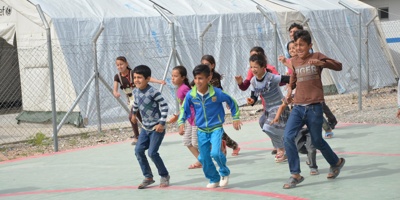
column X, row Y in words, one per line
column 224, row 181
column 212, row 185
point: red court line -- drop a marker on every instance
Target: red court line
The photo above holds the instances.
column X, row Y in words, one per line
column 184, row 188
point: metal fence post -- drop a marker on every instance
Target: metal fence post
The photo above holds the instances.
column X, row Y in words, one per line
column 263, row 12
column 51, row 74
column 96, row 80
column 359, row 53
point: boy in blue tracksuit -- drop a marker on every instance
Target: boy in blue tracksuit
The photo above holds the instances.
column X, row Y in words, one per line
column 209, row 117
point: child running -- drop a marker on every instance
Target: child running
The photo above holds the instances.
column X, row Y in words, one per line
column 216, row 82
column 153, row 109
column 307, row 108
column 179, row 79
column 209, row 116
column 266, row 85
column 125, row 79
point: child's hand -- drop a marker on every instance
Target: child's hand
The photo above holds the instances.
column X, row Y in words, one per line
column 181, row 129
column 275, row 121
column 250, row 101
column 133, row 119
column 173, row 119
column 282, row 59
column 239, row 80
column 116, row 94
column 289, row 99
column 159, row 128
column 316, row 62
column 237, row 124
column 162, row 82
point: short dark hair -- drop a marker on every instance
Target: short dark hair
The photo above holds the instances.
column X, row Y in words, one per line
column 202, row 69
column 258, row 49
column 296, row 25
column 304, row 35
column 259, row 59
column 142, row 70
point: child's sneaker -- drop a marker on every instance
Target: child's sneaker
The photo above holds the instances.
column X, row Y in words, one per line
column 224, row 181
column 212, row 185
column 329, row 135
column 314, row 171
column 280, row 158
column 164, row 182
column 146, row 182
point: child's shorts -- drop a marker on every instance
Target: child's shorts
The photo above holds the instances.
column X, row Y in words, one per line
column 190, row 135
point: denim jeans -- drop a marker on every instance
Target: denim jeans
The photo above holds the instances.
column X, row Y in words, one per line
column 150, row 140
column 210, row 147
column 311, row 116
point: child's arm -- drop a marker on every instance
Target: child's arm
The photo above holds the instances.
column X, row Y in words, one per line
column 164, row 111
column 326, row 62
column 184, row 113
column 134, row 111
column 234, row 109
column 252, row 100
column 279, row 112
column 115, row 90
column 153, row 80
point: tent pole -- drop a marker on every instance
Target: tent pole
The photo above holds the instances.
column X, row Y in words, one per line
column 367, row 51
column 96, row 80
column 51, row 74
column 359, row 53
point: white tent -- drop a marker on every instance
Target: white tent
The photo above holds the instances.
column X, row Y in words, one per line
column 133, row 28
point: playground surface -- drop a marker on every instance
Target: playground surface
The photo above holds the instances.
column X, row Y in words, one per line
column 111, row 171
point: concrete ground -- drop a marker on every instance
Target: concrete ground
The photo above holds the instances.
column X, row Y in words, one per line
column 112, row 172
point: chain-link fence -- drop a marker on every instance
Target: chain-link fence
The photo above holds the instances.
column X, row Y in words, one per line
column 25, row 106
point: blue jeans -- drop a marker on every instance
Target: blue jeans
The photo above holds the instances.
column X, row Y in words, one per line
column 150, row 140
column 311, row 116
column 210, row 146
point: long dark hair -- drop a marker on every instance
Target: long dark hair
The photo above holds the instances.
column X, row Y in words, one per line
column 210, row 59
column 183, row 72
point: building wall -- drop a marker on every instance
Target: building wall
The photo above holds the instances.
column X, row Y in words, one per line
column 393, row 5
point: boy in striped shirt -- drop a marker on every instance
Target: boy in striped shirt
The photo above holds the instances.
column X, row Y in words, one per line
column 153, row 109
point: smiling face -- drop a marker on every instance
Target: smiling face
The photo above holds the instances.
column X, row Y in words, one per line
column 257, row 70
column 139, row 81
column 292, row 49
column 121, row 66
column 177, row 78
column 201, row 81
column 302, row 48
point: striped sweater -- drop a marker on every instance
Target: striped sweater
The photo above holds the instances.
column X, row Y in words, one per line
column 152, row 106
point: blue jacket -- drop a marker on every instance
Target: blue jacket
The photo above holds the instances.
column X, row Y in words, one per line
column 209, row 110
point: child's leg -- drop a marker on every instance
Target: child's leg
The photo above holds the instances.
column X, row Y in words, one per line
column 229, row 142
column 156, row 139
column 261, row 121
column 314, row 124
column 135, row 127
column 216, row 152
column 328, row 113
column 209, row 169
column 312, row 152
column 141, row 147
column 190, row 141
column 293, row 126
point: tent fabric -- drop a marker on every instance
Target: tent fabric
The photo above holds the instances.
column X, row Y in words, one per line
column 135, row 29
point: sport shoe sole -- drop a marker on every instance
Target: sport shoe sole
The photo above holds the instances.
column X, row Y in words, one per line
column 212, row 185
column 224, row 181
